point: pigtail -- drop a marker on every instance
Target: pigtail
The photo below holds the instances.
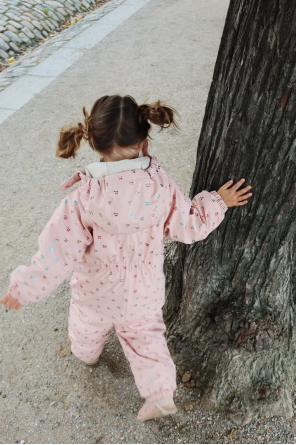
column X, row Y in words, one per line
column 71, row 137
column 159, row 114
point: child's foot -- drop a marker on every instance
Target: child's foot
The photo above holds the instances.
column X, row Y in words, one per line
column 157, row 408
column 93, row 363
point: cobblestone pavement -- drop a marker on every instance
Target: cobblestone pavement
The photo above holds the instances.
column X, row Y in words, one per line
column 23, row 23
column 34, row 57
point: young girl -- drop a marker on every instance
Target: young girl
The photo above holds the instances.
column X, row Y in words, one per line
column 109, row 233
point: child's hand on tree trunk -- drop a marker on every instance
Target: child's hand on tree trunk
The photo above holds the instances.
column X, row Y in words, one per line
column 9, row 302
column 231, row 197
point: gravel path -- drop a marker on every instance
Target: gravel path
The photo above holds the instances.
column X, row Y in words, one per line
column 166, row 50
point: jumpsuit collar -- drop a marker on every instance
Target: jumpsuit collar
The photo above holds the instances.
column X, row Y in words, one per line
column 101, row 169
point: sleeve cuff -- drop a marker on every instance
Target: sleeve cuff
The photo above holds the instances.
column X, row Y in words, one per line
column 13, row 292
column 220, row 201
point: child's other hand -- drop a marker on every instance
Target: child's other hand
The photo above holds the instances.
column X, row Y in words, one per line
column 231, row 197
column 9, row 302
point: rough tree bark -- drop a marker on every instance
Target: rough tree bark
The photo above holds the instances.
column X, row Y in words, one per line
column 230, row 310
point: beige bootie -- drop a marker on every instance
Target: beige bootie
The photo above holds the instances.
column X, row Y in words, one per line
column 93, row 363
column 155, row 409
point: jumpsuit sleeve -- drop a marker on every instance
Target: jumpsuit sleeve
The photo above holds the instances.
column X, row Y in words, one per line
column 63, row 241
column 190, row 221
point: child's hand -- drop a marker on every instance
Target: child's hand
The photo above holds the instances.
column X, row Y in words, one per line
column 231, row 197
column 9, row 302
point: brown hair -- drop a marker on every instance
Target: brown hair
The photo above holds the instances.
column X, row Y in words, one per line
column 115, row 121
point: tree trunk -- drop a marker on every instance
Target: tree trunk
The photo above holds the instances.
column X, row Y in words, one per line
column 230, row 299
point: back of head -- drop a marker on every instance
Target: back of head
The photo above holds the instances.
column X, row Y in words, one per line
column 114, row 122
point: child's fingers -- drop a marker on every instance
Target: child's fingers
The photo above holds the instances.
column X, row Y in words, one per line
column 226, row 185
column 241, row 198
column 237, row 185
column 241, row 203
column 243, row 191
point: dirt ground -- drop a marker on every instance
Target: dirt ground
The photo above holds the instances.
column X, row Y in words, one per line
column 167, row 50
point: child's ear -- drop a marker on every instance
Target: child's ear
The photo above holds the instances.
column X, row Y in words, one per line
column 145, row 148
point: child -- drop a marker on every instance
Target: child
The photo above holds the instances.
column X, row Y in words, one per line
column 109, row 233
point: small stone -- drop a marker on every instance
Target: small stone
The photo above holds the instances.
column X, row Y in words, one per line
column 15, row 24
column 11, row 28
column 11, row 53
column 186, row 377
column 49, row 24
column 37, row 34
column 27, row 14
column 44, row 25
column 24, row 38
column 14, row 47
column 15, row 11
column 28, row 33
column 12, row 36
column 47, row 6
column 84, row 2
column 3, row 37
column 3, row 22
column 60, row 16
column 23, row 8
column 13, row 16
column 62, row 11
column 67, row 4
column 52, row 403
column 22, row 441
column 39, row 14
column 2, row 28
column 188, row 407
column 3, row 54
column 52, row 16
column 37, row 25
column 53, row 22
column 24, row 358
column 27, row 24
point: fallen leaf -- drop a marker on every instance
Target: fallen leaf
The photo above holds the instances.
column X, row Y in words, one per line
column 11, row 60
column 231, row 433
column 188, row 407
column 190, row 384
column 186, row 377
column 64, row 351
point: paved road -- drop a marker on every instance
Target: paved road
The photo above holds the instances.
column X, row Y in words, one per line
column 166, row 50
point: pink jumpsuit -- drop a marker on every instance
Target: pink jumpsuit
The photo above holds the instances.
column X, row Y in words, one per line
column 109, row 233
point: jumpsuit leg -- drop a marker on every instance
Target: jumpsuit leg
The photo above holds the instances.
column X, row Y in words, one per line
column 145, row 347
column 88, row 330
